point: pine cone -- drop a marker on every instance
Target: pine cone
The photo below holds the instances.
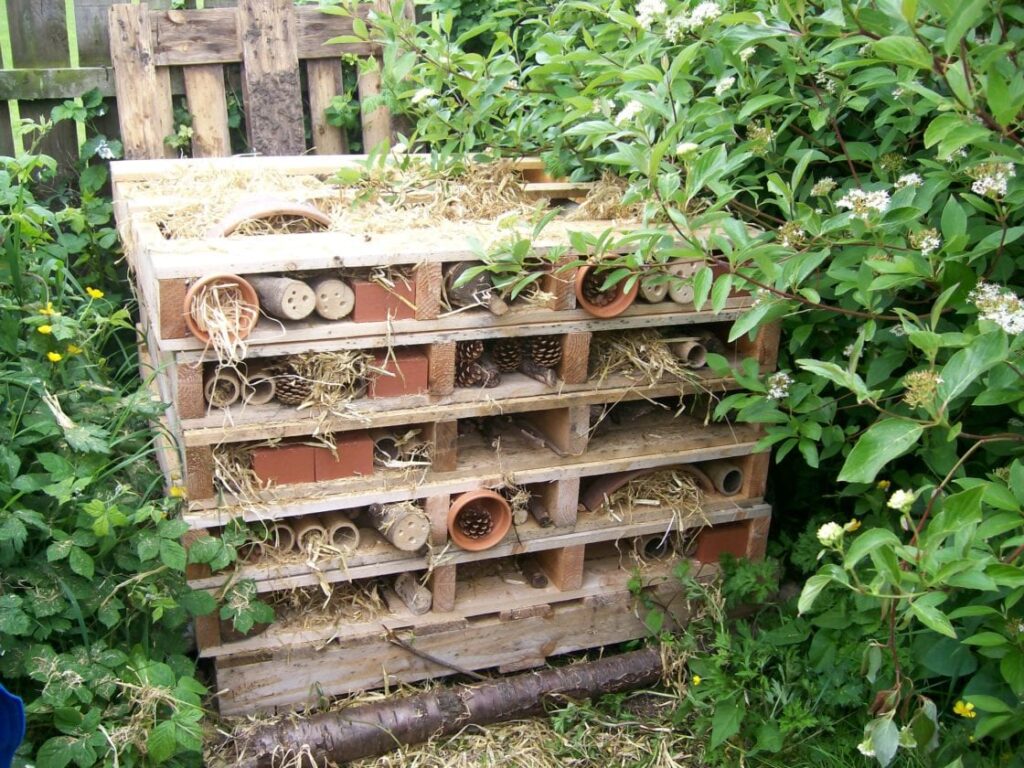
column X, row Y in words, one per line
column 546, row 351
column 475, row 522
column 507, row 354
column 592, row 289
column 469, row 374
column 292, row 389
column 468, row 351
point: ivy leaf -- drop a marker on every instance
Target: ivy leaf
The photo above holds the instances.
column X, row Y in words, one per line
column 883, row 442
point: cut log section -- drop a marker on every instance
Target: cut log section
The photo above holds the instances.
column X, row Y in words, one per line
column 653, row 292
column 335, row 299
column 404, row 525
column 416, row 597
column 283, row 297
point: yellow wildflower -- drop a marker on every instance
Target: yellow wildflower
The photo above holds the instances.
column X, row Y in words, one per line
column 74, row 349
column 46, row 330
column 48, row 310
column 177, row 492
column 883, row 485
column 852, row 526
column 695, row 680
column 94, row 293
column 55, row 357
column 964, row 709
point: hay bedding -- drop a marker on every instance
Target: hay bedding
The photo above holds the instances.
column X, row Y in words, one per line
column 189, row 204
column 643, row 356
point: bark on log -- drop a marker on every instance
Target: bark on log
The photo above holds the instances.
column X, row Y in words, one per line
column 540, row 373
column 416, row 597
column 378, row 728
column 406, row 528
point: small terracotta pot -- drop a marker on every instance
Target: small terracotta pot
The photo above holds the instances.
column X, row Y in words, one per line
column 249, row 298
column 256, row 208
column 488, row 501
column 618, row 305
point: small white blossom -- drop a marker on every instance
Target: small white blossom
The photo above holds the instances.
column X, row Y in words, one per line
column 927, row 241
column 421, row 94
column 898, row 92
column 1000, row 305
column 865, row 748
column 957, row 154
column 991, row 182
column 104, row 151
column 745, row 54
column 724, row 85
column 823, row 186
column 704, row 13
column 848, row 350
column 898, row 330
column 778, row 385
column 686, row 147
column 648, row 10
column 863, row 204
column 826, row 82
column 512, row 84
column 830, row 534
column 901, row 500
column 628, row 112
column 909, row 180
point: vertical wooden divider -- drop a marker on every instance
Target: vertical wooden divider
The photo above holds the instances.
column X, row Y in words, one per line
column 564, row 567
column 757, row 537
column 444, row 437
column 324, row 80
column 208, row 105
column 573, row 368
column 568, row 429
column 560, row 283
column 443, row 577
column 199, row 472
column 171, row 308
column 428, row 280
column 764, row 348
column 562, row 499
column 441, row 363
column 755, row 474
column 208, row 626
column 187, row 389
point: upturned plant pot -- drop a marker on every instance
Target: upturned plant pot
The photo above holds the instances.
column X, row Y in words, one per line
column 621, row 301
column 248, row 295
column 266, row 207
column 490, row 502
column 593, row 494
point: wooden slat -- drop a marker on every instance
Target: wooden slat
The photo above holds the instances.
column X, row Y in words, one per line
column 564, row 567
column 323, row 80
column 273, row 98
column 143, row 90
column 376, row 121
column 207, row 103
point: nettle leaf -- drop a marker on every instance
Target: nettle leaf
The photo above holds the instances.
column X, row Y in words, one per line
column 883, row 442
column 726, row 721
column 13, row 620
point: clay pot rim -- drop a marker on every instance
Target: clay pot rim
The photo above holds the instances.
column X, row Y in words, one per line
column 623, row 299
column 262, row 207
column 248, row 295
column 502, row 520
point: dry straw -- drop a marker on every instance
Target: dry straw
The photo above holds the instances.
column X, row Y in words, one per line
column 665, row 489
column 335, row 378
column 221, row 311
column 643, row 356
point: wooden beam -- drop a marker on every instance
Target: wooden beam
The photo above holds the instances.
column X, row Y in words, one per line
column 207, row 103
column 324, row 82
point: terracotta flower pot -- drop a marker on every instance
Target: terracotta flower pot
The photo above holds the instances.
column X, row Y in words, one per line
column 479, row 505
column 265, row 207
column 247, row 320
column 620, row 302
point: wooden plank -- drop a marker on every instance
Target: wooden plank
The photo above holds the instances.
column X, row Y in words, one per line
column 143, row 90
column 443, row 588
column 207, row 103
column 757, row 543
column 376, row 122
column 445, row 439
column 324, row 82
column 573, row 367
column 301, row 675
column 436, row 508
column 187, row 389
column 442, row 368
column 564, row 567
column 270, row 62
column 171, row 307
column 381, row 560
column 755, row 477
column 37, row 33
column 428, row 290
column 561, row 498
column 199, row 473
column 567, row 429
column 55, row 82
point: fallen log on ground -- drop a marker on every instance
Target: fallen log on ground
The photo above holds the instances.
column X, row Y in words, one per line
column 374, row 729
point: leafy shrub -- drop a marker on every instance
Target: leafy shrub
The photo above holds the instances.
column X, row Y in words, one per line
column 853, row 164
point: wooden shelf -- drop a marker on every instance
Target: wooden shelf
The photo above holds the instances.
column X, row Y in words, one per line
column 381, row 559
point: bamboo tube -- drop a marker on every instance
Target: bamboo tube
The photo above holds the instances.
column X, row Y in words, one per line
column 341, row 531
column 652, row 292
column 258, row 386
column 540, row 512
column 334, row 298
column 283, row 297
column 407, row 528
column 222, row 387
column 308, row 531
column 679, row 292
column 385, row 445
column 726, row 477
column 690, row 352
column 477, row 291
column 533, row 573
column 416, row 597
column 653, row 547
column 281, row 536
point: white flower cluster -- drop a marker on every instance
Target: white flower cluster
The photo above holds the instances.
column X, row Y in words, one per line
column 823, row 186
column 830, row 534
column 901, row 500
column 724, row 85
column 991, row 179
column 421, row 94
column 648, row 10
column 927, row 241
column 778, row 385
column 681, row 23
column 826, row 82
column 863, row 204
column 104, row 151
column 628, row 112
column 909, row 180
column 1000, row 305
column 745, row 54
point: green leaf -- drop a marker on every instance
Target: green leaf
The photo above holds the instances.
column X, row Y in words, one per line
column 172, row 554
column 81, row 563
column 868, row 542
column 162, row 742
column 13, row 620
column 903, row 50
column 1012, row 669
column 726, row 721
column 967, row 16
column 885, row 739
column 811, row 590
column 988, row 703
column 56, row 752
column 883, row 442
column 969, row 363
column 769, row 737
column 986, row 640
column 927, row 612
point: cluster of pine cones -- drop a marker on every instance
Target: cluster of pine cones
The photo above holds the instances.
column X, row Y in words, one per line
column 480, row 364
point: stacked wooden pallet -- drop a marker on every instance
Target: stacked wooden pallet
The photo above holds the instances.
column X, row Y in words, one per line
column 565, row 575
